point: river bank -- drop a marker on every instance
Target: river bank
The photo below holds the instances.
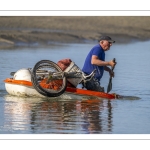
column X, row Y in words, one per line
column 15, row 30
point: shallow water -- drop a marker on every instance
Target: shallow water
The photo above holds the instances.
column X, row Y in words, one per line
column 127, row 115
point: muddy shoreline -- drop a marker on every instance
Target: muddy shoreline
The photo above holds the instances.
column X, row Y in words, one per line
column 46, row 30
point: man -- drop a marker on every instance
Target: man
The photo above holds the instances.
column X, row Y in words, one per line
column 96, row 60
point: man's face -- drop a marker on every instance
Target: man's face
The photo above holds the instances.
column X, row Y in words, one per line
column 106, row 45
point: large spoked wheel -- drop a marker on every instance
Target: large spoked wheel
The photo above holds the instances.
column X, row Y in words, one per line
column 48, row 79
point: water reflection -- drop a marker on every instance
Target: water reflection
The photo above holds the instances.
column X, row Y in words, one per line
column 17, row 113
column 38, row 115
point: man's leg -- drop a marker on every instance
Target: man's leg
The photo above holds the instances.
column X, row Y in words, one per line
column 94, row 85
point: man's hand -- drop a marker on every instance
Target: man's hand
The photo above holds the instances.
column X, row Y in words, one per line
column 112, row 63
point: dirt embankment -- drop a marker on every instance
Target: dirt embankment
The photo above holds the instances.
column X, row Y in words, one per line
column 49, row 29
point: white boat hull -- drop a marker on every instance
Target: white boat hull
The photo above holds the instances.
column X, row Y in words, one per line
column 21, row 90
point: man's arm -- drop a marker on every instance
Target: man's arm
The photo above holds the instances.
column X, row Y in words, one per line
column 111, row 73
column 96, row 61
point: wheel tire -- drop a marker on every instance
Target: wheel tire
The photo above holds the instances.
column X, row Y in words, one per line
column 37, row 84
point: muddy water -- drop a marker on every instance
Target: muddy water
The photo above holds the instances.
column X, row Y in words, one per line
column 130, row 115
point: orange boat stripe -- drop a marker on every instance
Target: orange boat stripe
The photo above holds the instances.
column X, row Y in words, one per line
column 91, row 93
column 22, row 82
